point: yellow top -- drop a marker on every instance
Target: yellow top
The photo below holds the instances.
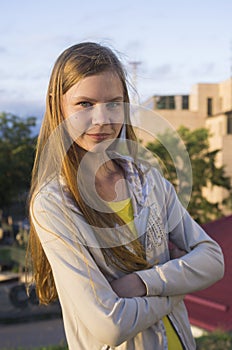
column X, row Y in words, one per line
column 173, row 339
column 125, row 210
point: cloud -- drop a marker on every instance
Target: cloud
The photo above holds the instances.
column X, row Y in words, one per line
column 133, row 46
column 22, row 108
column 167, row 71
column 3, row 50
column 164, row 79
column 203, row 70
column 162, row 71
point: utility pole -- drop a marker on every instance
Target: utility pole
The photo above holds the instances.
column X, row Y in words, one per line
column 134, row 65
column 231, row 76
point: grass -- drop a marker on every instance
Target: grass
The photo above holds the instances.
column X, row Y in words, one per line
column 217, row 340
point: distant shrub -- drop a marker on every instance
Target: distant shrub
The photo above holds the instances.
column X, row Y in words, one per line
column 217, row 340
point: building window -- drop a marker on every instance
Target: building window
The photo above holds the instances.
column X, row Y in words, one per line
column 229, row 124
column 161, row 102
column 185, row 102
column 209, row 106
column 165, row 102
column 171, row 102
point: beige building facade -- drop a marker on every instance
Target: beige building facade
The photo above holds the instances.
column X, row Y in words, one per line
column 207, row 105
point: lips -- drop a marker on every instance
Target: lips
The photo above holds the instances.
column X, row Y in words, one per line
column 98, row 136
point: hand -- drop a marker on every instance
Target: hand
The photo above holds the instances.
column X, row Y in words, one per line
column 176, row 253
column 129, row 286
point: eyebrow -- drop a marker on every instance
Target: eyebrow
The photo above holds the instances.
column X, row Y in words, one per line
column 85, row 98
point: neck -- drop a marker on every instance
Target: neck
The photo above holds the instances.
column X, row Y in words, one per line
column 98, row 163
column 106, row 168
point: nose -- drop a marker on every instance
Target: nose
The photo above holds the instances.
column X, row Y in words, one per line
column 100, row 115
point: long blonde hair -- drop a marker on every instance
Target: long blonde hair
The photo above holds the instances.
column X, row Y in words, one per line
column 75, row 63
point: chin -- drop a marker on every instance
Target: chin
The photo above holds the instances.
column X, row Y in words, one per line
column 97, row 147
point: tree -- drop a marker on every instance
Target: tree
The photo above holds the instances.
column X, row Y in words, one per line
column 205, row 172
column 16, row 157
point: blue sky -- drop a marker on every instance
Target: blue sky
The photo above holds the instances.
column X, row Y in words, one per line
column 178, row 42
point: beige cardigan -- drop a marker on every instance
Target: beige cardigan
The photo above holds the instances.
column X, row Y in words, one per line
column 95, row 318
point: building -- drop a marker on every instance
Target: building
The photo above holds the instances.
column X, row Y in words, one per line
column 207, row 105
column 204, row 102
column 211, row 308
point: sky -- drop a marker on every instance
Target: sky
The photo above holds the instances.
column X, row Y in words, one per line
column 177, row 43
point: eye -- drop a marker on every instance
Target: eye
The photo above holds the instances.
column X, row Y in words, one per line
column 84, row 104
column 113, row 105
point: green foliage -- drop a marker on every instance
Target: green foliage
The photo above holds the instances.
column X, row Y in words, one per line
column 5, row 256
column 16, row 157
column 215, row 341
column 205, row 172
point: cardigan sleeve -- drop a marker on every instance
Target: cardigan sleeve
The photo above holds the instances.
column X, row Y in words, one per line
column 203, row 264
column 80, row 283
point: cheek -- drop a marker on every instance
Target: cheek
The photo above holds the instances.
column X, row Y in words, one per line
column 77, row 124
column 83, row 142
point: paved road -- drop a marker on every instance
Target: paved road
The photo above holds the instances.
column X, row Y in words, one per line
column 29, row 334
column 32, row 334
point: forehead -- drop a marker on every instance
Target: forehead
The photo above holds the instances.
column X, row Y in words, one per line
column 101, row 87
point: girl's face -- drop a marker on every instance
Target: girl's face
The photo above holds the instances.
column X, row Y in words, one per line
column 94, row 110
